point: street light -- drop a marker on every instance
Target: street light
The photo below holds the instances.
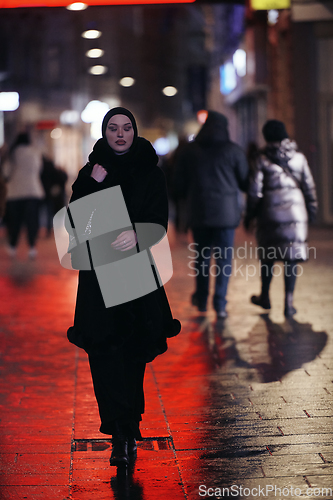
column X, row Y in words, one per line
column 127, row 81
column 77, row 6
column 94, row 53
column 99, row 69
column 169, row 91
column 91, row 34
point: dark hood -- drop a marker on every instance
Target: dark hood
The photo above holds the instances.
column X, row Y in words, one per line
column 214, row 130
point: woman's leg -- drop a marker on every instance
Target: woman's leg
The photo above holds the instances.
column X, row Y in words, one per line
column 290, row 275
column 32, row 220
column 266, row 271
column 118, row 386
column 14, row 220
column 203, row 237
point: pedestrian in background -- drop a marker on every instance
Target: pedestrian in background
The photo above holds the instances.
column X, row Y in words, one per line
column 282, row 198
column 54, row 183
column 210, row 173
column 3, row 185
column 24, row 193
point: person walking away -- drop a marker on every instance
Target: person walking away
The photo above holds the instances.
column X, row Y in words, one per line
column 282, row 199
column 210, row 173
column 54, row 183
column 24, row 193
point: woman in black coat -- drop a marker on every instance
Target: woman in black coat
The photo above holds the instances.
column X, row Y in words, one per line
column 120, row 340
column 282, row 198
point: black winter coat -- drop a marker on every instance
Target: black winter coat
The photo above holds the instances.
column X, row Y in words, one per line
column 209, row 176
column 282, row 196
column 142, row 325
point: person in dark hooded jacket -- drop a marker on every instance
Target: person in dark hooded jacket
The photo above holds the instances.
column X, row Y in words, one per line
column 282, row 199
column 210, row 173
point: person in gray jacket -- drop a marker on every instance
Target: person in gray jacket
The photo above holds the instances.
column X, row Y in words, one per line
column 282, row 198
column 209, row 174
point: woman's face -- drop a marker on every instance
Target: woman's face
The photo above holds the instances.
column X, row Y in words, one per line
column 119, row 133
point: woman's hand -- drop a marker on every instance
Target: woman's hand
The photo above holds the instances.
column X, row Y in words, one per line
column 125, row 241
column 98, row 173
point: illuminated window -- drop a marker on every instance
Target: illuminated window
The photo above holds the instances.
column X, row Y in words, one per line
column 239, row 61
column 228, row 80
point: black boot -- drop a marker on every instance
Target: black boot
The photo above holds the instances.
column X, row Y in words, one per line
column 289, row 309
column 262, row 301
column 119, row 455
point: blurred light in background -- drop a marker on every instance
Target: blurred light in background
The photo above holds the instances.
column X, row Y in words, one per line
column 164, row 145
column 228, row 79
column 94, row 113
column 9, row 101
column 202, row 116
column 99, row 69
column 77, row 6
column 169, row 91
column 94, row 53
column 112, row 102
column 56, row 133
column 273, row 16
column 239, row 61
column 91, row 34
column 127, row 81
column 270, row 4
column 69, row 117
column 95, row 130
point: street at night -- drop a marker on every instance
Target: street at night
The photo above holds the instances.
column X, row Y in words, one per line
column 238, row 408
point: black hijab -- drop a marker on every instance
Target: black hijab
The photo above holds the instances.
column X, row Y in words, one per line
column 140, row 157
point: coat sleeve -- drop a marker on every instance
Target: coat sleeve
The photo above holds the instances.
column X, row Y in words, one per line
column 309, row 191
column 84, row 184
column 241, row 170
column 181, row 178
column 155, row 210
column 155, row 207
column 255, row 193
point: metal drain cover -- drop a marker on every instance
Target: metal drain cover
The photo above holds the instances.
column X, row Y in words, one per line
column 150, row 443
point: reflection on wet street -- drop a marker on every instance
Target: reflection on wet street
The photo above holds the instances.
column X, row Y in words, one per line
column 235, row 405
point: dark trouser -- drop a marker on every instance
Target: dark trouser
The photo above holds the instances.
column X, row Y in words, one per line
column 213, row 242
column 290, row 275
column 22, row 212
column 118, row 386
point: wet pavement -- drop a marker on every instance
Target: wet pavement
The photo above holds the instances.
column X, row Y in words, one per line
column 239, row 409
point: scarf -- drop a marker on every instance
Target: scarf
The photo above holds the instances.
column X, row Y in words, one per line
column 123, row 168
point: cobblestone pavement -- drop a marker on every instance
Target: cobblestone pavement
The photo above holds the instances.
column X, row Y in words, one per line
column 238, row 409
